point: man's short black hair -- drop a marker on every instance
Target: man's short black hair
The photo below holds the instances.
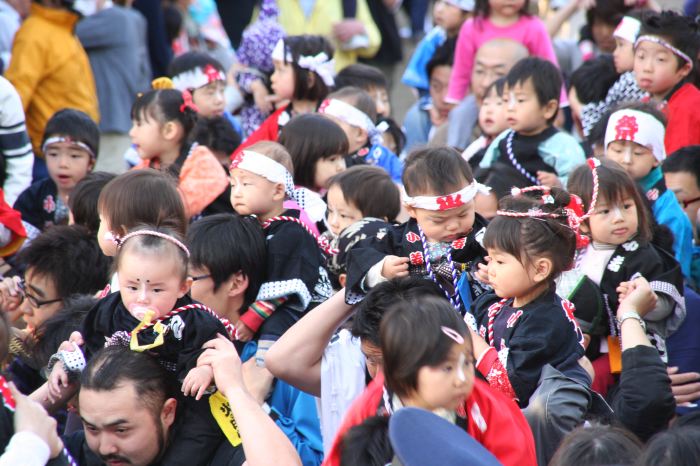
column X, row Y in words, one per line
column 545, row 77
column 217, row 134
column 227, row 244
column 70, row 257
column 381, row 298
column 679, row 30
column 607, row 11
column 685, row 159
column 594, row 78
column 443, row 56
column 76, row 124
column 360, row 75
column 82, row 202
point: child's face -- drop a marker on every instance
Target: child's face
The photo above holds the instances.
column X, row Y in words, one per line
column 446, row 385
column 357, row 137
column 210, row 99
column 524, row 113
column 326, row 168
column 506, row 8
column 104, row 237
column 444, row 226
column 623, row 56
column 439, row 82
column 147, row 137
column 492, row 115
column 148, row 280
column 341, row 213
column 656, row 69
column 636, row 159
column 448, row 17
column 509, row 277
column 67, row 164
column 613, row 223
column 381, row 100
column 282, row 80
column 603, row 35
column 252, row 194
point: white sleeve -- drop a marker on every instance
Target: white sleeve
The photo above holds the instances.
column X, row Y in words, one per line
column 27, row 449
column 374, row 275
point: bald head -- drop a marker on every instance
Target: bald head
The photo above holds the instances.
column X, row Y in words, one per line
column 493, row 60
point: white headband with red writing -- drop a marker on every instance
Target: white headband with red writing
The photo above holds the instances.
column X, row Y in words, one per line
column 264, row 166
column 448, row 201
column 198, row 77
column 639, row 127
column 628, row 29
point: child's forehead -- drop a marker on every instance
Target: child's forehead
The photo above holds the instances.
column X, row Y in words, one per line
column 653, row 47
column 524, row 86
column 242, row 173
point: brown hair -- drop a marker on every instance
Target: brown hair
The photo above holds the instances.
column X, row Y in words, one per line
column 275, row 151
column 155, row 244
column 371, row 190
column 614, row 186
column 144, row 196
column 436, row 171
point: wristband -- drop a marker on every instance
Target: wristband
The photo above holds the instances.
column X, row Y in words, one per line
column 632, row 315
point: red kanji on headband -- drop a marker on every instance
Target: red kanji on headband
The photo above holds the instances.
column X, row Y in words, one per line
column 323, row 106
column 212, row 74
column 450, row 201
column 237, row 159
column 416, row 258
column 626, row 128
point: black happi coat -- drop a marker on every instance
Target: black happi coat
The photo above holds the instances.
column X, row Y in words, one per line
column 543, row 331
column 404, row 241
column 38, row 204
column 186, row 332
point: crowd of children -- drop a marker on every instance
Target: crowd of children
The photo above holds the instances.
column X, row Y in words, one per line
column 519, row 262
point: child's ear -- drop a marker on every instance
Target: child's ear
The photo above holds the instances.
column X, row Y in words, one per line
column 411, row 210
column 279, row 193
column 171, row 131
column 360, row 135
column 342, row 278
column 551, row 109
column 543, row 269
column 684, row 70
column 184, row 287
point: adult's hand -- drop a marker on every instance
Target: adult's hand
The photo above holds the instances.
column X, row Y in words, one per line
column 685, row 386
column 638, row 297
column 30, row 416
column 346, row 29
column 220, row 354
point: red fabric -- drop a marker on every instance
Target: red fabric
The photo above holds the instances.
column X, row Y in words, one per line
column 268, row 131
column 12, row 220
column 603, row 379
column 492, row 419
column 497, row 375
column 683, row 127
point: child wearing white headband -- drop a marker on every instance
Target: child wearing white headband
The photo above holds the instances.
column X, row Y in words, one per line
column 355, row 111
column 439, row 242
column 634, row 138
column 295, row 280
column 665, row 56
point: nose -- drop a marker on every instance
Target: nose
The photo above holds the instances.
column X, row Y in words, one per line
column 105, row 446
column 142, row 295
column 617, row 214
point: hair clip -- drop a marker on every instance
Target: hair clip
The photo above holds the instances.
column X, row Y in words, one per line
column 162, row 83
column 188, row 102
column 452, row 333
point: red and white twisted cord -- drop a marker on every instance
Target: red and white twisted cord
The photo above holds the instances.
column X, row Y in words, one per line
column 321, row 241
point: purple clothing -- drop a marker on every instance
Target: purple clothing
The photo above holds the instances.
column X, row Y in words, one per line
column 528, row 30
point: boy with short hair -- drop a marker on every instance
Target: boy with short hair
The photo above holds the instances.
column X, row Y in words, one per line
column 532, row 151
column 665, row 56
column 634, row 138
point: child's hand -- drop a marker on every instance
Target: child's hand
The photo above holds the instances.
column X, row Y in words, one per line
column 623, row 289
column 482, row 273
column 548, row 179
column 261, row 96
column 395, row 266
column 243, row 332
column 197, row 381
column 221, row 356
column 10, row 294
column 58, row 381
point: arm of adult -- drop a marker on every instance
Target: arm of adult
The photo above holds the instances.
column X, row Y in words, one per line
column 263, row 442
column 296, row 356
column 562, row 15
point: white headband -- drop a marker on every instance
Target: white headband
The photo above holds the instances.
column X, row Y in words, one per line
column 347, row 113
column 628, row 29
column 69, row 140
column 448, row 201
column 264, row 166
column 321, row 63
column 663, row 43
column 639, row 127
column 198, row 77
column 466, row 5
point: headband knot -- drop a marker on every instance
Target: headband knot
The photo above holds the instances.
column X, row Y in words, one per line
column 320, row 63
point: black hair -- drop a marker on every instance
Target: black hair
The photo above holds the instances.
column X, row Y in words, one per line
column 483, row 8
column 172, row 21
column 49, row 335
column 371, row 190
column 443, row 56
column 393, row 129
column 597, row 134
column 154, row 244
column 142, row 197
column 594, row 78
column 113, row 366
column 360, row 75
column 411, row 337
column 306, row 88
column 164, row 106
column 673, row 447
column 499, row 85
column 545, row 77
column 359, row 99
column 70, row 257
column 309, row 138
column 614, row 185
column 365, row 324
column 217, row 134
column 608, row 11
column 644, row 107
column 227, row 244
column 685, row 159
column 687, row 420
column 598, row 445
column 438, row 171
column 367, row 444
column 679, row 30
column 76, row 124
column 528, row 238
column 190, row 60
column 83, row 200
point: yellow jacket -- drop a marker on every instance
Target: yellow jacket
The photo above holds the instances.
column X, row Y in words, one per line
column 50, row 69
column 325, row 14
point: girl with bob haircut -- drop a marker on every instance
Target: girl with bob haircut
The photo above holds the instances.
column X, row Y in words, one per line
column 523, row 325
column 618, row 225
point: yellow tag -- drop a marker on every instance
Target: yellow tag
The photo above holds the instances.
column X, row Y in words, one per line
column 221, row 411
column 614, row 355
column 159, row 328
